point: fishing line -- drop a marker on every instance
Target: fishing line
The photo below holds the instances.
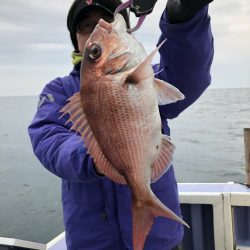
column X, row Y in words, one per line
column 158, row 72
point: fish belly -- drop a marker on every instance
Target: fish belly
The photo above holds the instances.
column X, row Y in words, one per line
column 126, row 123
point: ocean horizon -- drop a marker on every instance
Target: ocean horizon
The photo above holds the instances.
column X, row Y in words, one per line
column 209, row 148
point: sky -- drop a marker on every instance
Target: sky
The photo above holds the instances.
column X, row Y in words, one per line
column 35, row 46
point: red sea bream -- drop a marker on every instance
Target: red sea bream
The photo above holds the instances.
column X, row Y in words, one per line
column 116, row 113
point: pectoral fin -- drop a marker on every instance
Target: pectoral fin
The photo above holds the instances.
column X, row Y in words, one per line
column 167, row 93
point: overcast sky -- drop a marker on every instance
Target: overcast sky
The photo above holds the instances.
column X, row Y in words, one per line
column 35, row 45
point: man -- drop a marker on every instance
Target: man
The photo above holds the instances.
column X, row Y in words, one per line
column 97, row 212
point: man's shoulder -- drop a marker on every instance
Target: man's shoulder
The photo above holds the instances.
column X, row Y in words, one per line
column 63, row 86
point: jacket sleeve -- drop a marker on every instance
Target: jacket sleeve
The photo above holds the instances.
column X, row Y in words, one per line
column 185, row 59
column 62, row 152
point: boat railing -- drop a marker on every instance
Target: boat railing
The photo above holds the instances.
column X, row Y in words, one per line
column 218, row 215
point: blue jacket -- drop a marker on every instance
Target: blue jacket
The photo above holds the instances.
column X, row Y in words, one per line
column 97, row 213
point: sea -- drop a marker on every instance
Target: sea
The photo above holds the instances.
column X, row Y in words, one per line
column 209, row 148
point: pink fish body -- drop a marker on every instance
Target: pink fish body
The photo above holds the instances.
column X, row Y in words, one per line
column 89, row 2
column 117, row 115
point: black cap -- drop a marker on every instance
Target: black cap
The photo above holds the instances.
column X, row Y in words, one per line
column 77, row 10
column 80, row 6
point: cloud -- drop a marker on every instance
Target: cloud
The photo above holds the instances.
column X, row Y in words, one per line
column 50, row 47
column 35, row 44
column 33, row 32
column 231, row 21
column 230, row 25
column 34, row 21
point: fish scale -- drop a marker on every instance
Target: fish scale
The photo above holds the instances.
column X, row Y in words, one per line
column 113, row 120
column 117, row 115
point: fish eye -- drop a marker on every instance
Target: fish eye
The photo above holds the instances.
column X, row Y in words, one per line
column 94, row 51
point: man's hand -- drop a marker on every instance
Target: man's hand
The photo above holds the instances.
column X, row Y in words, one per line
column 142, row 7
column 182, row 10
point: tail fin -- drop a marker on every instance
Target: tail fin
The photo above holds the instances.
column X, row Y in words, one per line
column 143, row 214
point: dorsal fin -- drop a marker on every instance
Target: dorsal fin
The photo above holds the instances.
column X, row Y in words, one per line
column 144, row 69
column 166, row 93
column 80, row 124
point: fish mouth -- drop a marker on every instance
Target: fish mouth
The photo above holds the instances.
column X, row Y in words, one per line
column 119, row 27
column 108, row 27
column 121, row 47
column 118, row 24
